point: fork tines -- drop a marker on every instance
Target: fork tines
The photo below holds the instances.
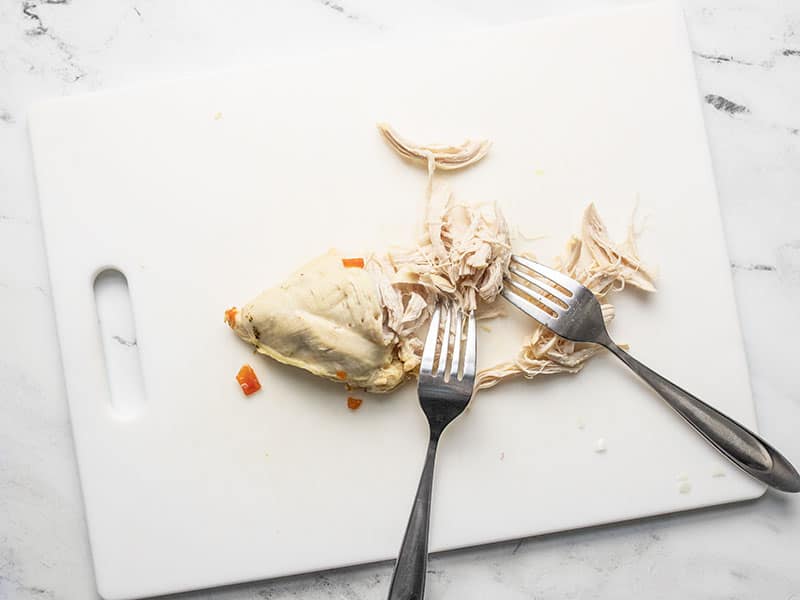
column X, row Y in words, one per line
column 449, row 343
column 538, row 289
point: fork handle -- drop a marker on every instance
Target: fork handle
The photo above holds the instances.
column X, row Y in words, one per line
column 410, row 570
column 751, row 453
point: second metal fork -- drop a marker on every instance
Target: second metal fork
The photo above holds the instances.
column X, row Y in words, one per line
column 571, row 310
column 445, row 388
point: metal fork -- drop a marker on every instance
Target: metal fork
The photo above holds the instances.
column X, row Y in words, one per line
column 570, row 310
column 443, row 395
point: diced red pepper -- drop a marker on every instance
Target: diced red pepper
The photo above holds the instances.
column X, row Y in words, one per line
column 230, row 316
column 354, row 403
column 341, row 375
column 247, row 380
column 353, row 263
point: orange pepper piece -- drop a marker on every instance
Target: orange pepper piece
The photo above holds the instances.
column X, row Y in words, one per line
column 341, row 375
column 230, row 316
column 353, row 263
column 354, row 403
column 247, row 380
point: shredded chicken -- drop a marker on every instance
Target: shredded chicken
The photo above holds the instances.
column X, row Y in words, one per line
column 440, row 156
column 463, row 255
column 363, row 327
column 602, row 266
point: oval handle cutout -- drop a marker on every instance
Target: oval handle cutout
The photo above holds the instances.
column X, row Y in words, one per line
column 120, row 348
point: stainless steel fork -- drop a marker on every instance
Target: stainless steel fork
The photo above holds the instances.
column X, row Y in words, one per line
column 570, row 310
column 446, row 381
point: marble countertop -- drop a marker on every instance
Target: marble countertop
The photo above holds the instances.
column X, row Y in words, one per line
column 747, row 55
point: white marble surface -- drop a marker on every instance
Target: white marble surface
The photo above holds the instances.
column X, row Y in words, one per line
column 747, row 55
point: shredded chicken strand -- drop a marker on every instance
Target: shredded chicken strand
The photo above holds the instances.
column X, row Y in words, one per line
column 442, row 156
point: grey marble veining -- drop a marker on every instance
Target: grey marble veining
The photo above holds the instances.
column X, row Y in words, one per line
column 747, row 56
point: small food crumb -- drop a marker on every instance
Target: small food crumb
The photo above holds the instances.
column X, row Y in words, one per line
column 247, row 380
column 217, row 116
column 353, row 263
column 539, row 171
column 230, row 316
column 718, row 473
column 600, row 445
column 683, row 477
column 685, row 487
column 341, row 375
column 353, row 403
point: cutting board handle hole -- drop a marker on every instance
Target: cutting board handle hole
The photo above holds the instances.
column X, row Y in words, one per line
column 120, row 345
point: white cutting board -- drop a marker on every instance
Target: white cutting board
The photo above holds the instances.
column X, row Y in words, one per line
column 204, row 191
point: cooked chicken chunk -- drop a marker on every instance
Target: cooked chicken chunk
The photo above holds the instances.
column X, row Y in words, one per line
column 327, row 319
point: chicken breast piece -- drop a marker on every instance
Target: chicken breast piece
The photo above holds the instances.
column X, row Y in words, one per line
column 327, row 319
column 362, row 326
